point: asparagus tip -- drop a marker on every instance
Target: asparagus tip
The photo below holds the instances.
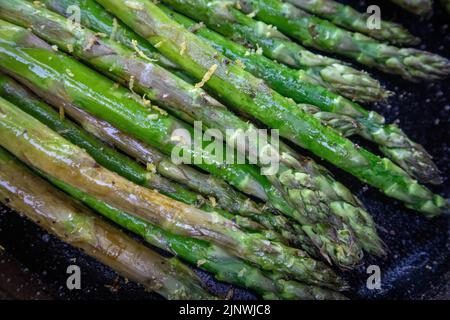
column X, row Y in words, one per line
column 425, row 65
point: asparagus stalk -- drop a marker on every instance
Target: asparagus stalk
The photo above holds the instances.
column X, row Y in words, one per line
column 206, row 256
column 43, row 149
column 315, row 69
column 419, row 7
column 241, row 90
column 411, row 64
column 409, row 155
column 58, row 214
column 337, row 245
column 350, row 19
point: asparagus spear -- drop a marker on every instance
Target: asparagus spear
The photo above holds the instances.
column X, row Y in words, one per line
column 350, row 19
column 419, row 7
column 43, row 149
column 206, row 256
column 411, row 64
column 340, row 245
column 247, row 93
column 58, row 214
column 411, row 156
column 315, row 69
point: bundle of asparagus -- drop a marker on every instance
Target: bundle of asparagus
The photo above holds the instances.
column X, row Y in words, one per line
column 318, row 222
column 260, row 231
column 342, row 203
column 216, row 260
column 446, row 4
column 411, row 64
column 249, row 94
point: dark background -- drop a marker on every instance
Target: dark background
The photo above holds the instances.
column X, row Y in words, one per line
column 33, row 264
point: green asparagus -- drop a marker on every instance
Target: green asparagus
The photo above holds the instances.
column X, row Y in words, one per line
column 315, row 69
column 338, row 244
column 58, row 214
column 202, row 110
column 411, row 156
column 251, row 95
column 419, row 7
column 38, row 146
column 350, row 19
column 206, row 256
column 411, row 64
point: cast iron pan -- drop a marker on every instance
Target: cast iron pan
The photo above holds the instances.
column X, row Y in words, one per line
column 34, row 264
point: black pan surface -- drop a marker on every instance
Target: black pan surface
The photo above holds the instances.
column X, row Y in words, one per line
column 418, row 262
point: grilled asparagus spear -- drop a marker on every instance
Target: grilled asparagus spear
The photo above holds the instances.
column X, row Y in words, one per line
column 350, row 19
